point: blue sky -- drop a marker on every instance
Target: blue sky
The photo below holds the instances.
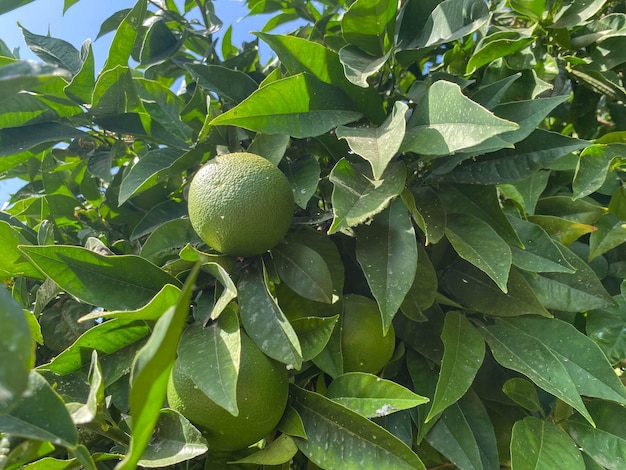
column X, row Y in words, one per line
column 83, row 21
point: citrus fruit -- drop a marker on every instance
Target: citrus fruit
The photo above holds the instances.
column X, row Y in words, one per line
column 262, row 390
column 240, row 204
column 363, row 345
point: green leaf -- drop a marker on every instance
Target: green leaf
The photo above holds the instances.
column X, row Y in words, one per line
column 557, row 357
column 464, row 351
column 12, row 5
column 304, row 271
column 88, row 412
column 575, row 292
column 476, row 242
column 450, row 20
column 423, row 291
column 214, row 351
column 314, row 334
column 610, row 233
column 562, row 230
column 272, row 147
column 125, row 36
column 175, row 440
column 265, row 322
column 377, row 145
column 593, row 167
column 522, row 392
column 539, row 150
column 538, row 444
column 106, row 338
column 83, row 82
column 281, row 450
column 540, row 252
column 164, row 299
column 531, row 8
column 359, row 65
column 605, row 442
column 300, row 105
column 158, row 44
column 475, row 290
column 372, row 396
column 157, row 215
column 576, row 12
column 115, row 93
column 491, row 50
column 446, row 121
column 341, row 438
column 301, row 55
column 366, row 25
column 112, row 282
column 386, row 250
column 357, row 196
column 465, row 435
column 166, row 241
column 233, row 85
column 150, row 371
column 15, row 140
column 303, row 176
column 427, row 211
column 16, row 349
column 481, row 202
column 146, row 172
column 53, row 51
column 12, row 262
column 607, row 327
column 40, row 414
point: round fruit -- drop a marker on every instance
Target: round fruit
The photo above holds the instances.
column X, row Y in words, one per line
column 262, row 390
column 363, row 345
column 240, row 204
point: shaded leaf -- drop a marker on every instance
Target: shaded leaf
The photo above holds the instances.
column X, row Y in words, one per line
column 13, row 263
column 303, row 176
column 233, row 85
column 314, row 334
column 522, row 392
column 365, row 25
column 386, row 250
column 464, row 350
column 539, row 444
column 427, row 211
column 281, row 450
column 607, row 327
column 610, row 233
column 593, row 166
column 359, row 65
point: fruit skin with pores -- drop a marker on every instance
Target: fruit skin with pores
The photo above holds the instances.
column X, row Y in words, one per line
column 262, row 389
column 363, row 345
column 240, row 204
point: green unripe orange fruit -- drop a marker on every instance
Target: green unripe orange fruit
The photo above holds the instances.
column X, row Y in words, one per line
column 262, row 389
column 363, row 345
column 240, row 204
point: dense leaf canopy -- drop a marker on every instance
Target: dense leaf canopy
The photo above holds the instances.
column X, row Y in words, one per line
column 459, row 162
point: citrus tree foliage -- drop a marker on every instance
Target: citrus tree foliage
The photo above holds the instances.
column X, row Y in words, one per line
column 459, row 162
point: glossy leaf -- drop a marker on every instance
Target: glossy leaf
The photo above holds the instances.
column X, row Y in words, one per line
column 450, row 20
column 377, row 145
column 475, row 290
column 53, row 51
column 304, row 271
column 40, row 414
column 610, row 233
column 359, row 66
column 125, row 35
column 607, row 327
column 232, row 84
column 427, row 211
column 605, row 443
column 593, row 167
column 17, row 351
column 113, row 282
column 581, row 290
column 265, row 322
column 158, row 44
column 89, row 411
column 314, row 334
column 304, row 176
column 281, row 450
column 300, row 105
column 372, row 396
column 13, row 263
column 557, row 357
column 175, row 441
column 423, row 291
column 357, row 197
column 150, row 372
column 364, row 24
column 213, row 351
column 522, row 392
column 270, row 146
column 478, row 243
column 341, row 438
column 446, row 121
column 465, row 435
column 464, row 350
column 166, row 241
column 387, row 253
column 539, row 444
